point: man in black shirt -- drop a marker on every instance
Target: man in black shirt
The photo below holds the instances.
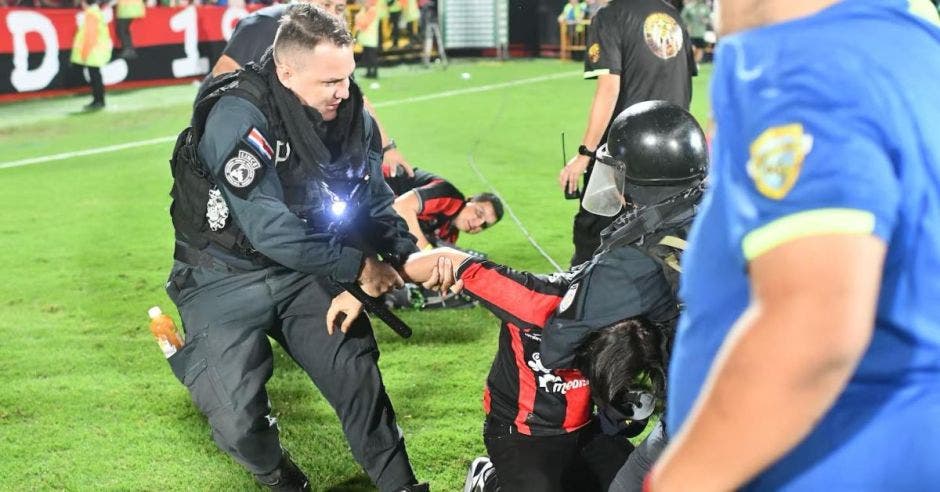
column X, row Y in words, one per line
column 638, row 51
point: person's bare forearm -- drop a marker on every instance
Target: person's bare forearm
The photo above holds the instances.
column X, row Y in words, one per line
column 602, row 109
column 420, row 266
column 782, row 365
column 764, row 396
column 405, row 207
column 375, row 118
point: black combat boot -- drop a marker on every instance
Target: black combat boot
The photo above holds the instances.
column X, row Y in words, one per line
column 285, row 478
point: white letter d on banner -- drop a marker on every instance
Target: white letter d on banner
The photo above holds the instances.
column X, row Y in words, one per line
column 20, row 22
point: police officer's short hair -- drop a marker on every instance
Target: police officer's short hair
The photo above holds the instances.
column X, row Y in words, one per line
column 493, row 200
column 304, row 26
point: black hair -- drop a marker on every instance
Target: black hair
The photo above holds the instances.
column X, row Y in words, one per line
column 493, row 200
column 629, row 355
column 305, row 26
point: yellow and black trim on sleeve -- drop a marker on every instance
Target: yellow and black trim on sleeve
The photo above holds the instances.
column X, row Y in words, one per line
column 804, row 224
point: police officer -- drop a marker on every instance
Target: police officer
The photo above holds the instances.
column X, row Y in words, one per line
column 657, row 154
column 253, row 36
column 637, row 51
column 283, row 204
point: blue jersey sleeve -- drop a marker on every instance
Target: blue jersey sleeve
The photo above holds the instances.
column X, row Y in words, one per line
column 816, row 161
column 239, row 160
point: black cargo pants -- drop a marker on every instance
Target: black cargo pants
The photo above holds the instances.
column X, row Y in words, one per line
column 227, row 359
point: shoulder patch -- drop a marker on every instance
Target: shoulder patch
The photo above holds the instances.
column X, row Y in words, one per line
column 594, row 53
column 663, row 35
column 257, row 140
column 243, row 169
column 776, row 158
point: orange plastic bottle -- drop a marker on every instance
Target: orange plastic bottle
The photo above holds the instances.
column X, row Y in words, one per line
column 164, row 330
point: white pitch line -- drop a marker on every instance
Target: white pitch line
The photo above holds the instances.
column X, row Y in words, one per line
column 160, row 140
column 471, row 90
column 525, row 232
column 81, row 153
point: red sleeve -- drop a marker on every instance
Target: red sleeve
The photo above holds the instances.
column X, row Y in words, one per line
column 439, row 197
column 521, row 298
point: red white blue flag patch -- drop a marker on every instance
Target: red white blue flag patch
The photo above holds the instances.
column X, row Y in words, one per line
column 257, row 141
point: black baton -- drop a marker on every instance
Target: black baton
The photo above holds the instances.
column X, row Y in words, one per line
column 378, row 308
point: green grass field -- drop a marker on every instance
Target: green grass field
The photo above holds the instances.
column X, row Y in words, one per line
column 87, row 401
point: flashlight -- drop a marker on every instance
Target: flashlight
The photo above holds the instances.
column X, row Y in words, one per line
column 338, row 208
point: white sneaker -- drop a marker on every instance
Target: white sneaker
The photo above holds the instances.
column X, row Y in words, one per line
column 480, row 473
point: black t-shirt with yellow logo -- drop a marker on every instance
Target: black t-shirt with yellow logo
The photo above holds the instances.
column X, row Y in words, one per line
column 645, row 43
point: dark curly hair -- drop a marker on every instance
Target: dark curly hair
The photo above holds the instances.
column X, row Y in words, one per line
column 629, row 355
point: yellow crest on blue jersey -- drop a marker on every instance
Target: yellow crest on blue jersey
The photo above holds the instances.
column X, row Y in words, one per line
column 776, row 159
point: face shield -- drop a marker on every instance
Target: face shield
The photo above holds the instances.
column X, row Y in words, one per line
column 604, row 192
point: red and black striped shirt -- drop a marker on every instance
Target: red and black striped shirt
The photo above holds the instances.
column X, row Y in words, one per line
column 520, row 392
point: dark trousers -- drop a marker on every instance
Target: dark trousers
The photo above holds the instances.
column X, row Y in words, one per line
column 393, row 18
column 97, row 84
column 370, row 58
column 587, row 228
column 582, row 461
column 123, row 29
column 227, row 360
column 630, row 477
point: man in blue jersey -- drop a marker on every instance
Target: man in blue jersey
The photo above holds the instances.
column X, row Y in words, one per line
column 808, row 354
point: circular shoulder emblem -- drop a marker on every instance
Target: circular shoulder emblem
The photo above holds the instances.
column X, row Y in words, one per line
column 240, row 170
column 663, row 35
column 594, row 53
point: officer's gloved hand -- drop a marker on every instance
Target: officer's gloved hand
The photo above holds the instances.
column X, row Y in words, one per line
column 377, row 278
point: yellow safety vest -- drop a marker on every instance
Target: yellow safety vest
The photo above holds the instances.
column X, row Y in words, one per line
column 412, row 13
column 130, row 9
column 369, row 37
column 92, row 44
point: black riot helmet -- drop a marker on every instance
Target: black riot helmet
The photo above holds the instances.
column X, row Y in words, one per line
column 650, row 144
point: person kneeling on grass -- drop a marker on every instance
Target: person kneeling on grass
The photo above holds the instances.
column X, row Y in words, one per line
column 539, row 430
column 612, row 316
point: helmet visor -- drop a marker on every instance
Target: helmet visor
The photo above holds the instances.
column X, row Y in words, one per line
column 604, row 192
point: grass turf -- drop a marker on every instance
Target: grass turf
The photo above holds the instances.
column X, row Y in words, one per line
column 87, row 400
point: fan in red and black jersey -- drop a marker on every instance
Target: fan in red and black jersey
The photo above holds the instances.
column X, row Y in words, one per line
column 612, row 317
column 436, row 211
column 540, row 433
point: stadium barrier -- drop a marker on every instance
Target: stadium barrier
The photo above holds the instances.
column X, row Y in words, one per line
column 173, row 44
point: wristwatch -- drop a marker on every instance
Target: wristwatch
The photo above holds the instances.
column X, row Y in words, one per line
column 391, row 145
column 583, row 150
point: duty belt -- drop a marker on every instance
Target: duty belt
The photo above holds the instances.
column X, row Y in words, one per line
column 204, row 259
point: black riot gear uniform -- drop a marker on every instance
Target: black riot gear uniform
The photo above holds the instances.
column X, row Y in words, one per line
column 656, row 154
column 267, row 225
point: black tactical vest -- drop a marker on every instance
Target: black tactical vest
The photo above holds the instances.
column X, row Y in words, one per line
column 194, row 187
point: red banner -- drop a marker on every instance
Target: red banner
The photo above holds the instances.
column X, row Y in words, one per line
column 173, row 43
